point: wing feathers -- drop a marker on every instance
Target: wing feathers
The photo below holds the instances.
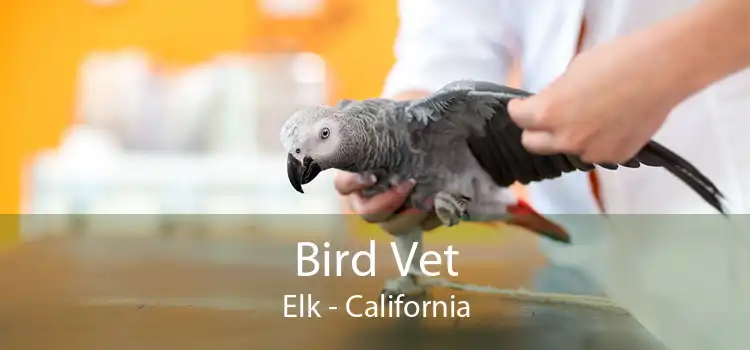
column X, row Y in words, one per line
column 478, row 111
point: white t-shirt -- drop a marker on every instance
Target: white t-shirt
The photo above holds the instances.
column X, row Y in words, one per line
column 689, row 285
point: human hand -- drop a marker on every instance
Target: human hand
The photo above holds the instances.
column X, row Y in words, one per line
column 606, row 106
column 380, row 209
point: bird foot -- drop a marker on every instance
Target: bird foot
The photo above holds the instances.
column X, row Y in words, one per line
column 451, row 208
column 409, row 286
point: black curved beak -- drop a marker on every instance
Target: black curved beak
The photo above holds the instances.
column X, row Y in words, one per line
column 301, row 173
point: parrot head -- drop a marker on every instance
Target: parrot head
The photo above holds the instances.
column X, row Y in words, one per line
column 314, row 139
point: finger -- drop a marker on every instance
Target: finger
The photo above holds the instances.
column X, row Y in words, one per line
column 347, row 183
column 371, row 217
column 523, row 112
column 402, row 223
column 611, row 151
column 606, row 155
column 539, row 142
column 596, row 156
column 384, row 203
column 360, row 206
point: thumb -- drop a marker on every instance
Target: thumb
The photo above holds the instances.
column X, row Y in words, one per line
column 521, row 111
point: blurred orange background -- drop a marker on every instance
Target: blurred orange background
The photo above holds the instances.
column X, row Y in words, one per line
column 44, row 42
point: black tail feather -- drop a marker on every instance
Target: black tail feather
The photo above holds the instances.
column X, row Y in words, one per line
column 654, row 154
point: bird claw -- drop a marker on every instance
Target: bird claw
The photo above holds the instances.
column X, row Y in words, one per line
column 409, row 286
column 451, row 208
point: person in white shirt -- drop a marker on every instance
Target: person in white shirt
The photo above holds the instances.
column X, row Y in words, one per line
column 641, row 62
column 609, row 75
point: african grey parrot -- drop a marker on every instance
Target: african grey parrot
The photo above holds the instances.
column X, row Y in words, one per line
column 460, row 146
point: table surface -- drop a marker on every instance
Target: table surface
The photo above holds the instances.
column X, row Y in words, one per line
column 226, row 292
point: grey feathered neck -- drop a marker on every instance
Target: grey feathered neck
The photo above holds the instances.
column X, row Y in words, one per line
column 372, row 140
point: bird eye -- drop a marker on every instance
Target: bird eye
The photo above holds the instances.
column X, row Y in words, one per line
column 324, row 133
column 297, row 150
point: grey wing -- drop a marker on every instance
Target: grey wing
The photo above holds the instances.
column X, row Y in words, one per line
column 478, row 111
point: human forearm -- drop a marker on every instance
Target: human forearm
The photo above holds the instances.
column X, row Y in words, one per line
column 700, row 46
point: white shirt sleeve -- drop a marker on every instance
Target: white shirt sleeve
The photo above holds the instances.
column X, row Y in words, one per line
column 440, row 41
